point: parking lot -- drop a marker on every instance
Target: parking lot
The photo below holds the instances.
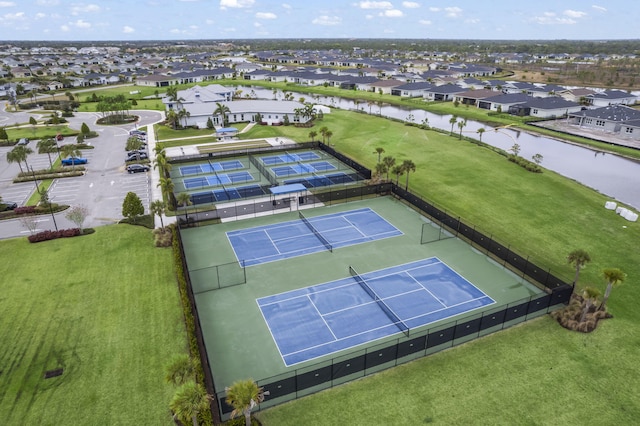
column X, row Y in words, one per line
column 101, row 189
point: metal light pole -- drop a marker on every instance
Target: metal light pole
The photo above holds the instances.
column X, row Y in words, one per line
column 52, row 215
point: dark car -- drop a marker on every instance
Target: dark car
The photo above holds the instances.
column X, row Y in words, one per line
column 137, row 156
column 8, row 205
column 132, row 153
column 23, row 141
column 137, row 133
column 70, row 161
column 136, row 168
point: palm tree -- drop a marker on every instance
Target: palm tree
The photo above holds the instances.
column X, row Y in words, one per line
column 398, row 171
column 45, row 146
column 172, row 118
column 179, row 370
column 578, row 258
column 184, row 199
column 323, row 132
column 189, row 400
column 461, row 125
column 381, row 169
column 157, row 208
column 166, row 187
column 614, row 277
column 18, row 155
column 480, row 131
column 71, row 151
column 389, row 162
column 222, row 110
column 328, row 134
column 243, row 396
column 408, row 166
column 161, row 162
column 312, row 135
column 379, row 151
column 453, row 120
column 589, row 294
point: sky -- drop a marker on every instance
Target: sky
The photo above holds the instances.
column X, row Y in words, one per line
column 103, row 20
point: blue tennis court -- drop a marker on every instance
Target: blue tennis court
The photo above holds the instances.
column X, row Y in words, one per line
column 299, row 237
column 323, row 319
column 302, row 168
column 321, row 180
column 217, row 180
column 197, row 169
column 289, row 158
column 228, row 194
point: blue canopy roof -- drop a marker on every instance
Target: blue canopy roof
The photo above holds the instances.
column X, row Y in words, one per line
column 287, row 189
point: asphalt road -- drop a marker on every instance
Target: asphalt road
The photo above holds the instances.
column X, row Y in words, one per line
column 102, row 188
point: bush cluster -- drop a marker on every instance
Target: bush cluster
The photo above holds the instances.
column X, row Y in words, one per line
column 526, row 164
column 52, row 235
column 25, row 210
column 189, row 320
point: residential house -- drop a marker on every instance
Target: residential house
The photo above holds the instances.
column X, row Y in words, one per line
column 385, row 86
column 411, row 90
column 545, row 107
column 272, row 113
column 474, row 97
column 446, row 92
column 156, row 80
column 503, row 101
column 620, row 120
column 610, row 97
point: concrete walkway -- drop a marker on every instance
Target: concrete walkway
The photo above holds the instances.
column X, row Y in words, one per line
column 156, row 193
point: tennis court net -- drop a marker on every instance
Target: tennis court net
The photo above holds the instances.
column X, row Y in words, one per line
column 319, row 236
column 393, row 317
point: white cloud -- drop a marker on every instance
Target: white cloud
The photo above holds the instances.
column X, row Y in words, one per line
column 85, row 8
column 550, row 18
column 286, row 6
column 410, row 4
column 599, row 8
column 266, row 15
column 257, row 24
column 82, row 24
column 13, row 16
column 375, row 5
column 574, row 13
column 210, row 22
column 393, row 13
column 7, row 4
column 424, row 22
column 434, row 9
column 48, row 2
column 236, row 4
column 40, row 15
column 453, row 12
column 64, row 28
column 128, row 30
column 327, row 20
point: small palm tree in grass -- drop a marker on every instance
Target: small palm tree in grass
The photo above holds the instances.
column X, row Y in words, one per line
column 389, row 162
column 189, row 400
column 243, row 396
column 312, row 135
column 379, row 151
column 157, row 208
column 180, row 370
column 398, row 171
column 184, row 199
column 381, row 169
column 453, row 120
column 578, row 258
column 614, row 277
column 480, row 131
column 590, row 295
column 323, row 133
column 408, row 166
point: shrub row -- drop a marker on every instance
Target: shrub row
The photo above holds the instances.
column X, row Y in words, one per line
column 526, row 164
column 52, row 235
column 189, row 320
column 25, row 210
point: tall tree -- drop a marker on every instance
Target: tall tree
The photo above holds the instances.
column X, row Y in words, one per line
column 222, row 110
column 132, row 206
column 243, row 396
column 461, row 125
column 312, row 135
column 379, row 150
column 389, row 162
column 19, row 155
column 453, row 120
column 614, row 277
column 157, row 209
column 408, row 166
column 323, row 132
column 189, row 400
column 328, row 134
column 166, row 187
column 45, row 146
column 398, row 171
column 184, row 199
column 480, row 131
column 172, row 118
column 578, row 258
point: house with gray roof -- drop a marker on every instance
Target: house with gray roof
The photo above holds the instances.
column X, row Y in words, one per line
column 445, row 92
column 610, row 97
column 620, row 120
column 503, row 102
column 411, row 90
column 271, row 113
column 547, row 107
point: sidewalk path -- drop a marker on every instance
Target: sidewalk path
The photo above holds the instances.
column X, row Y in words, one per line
column 156, row 193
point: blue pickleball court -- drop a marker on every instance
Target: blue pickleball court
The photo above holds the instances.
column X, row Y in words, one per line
column 296, row 238
column 197, row 169
column 315, row 321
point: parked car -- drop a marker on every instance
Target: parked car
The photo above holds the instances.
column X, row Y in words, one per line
column 70, row 161
column 137, row 157
column 136, row 168
column 8, row 205
column 139, row 152
column 23, row 141
column 138, row 133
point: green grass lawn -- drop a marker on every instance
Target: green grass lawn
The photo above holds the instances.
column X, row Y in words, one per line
column 536, row 373
column 104, row 307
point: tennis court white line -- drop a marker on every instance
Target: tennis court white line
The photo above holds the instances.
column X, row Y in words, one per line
column 321, row 316
column 273, row 338
column 453, row 306
column 272, row 242
column 426, row 289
